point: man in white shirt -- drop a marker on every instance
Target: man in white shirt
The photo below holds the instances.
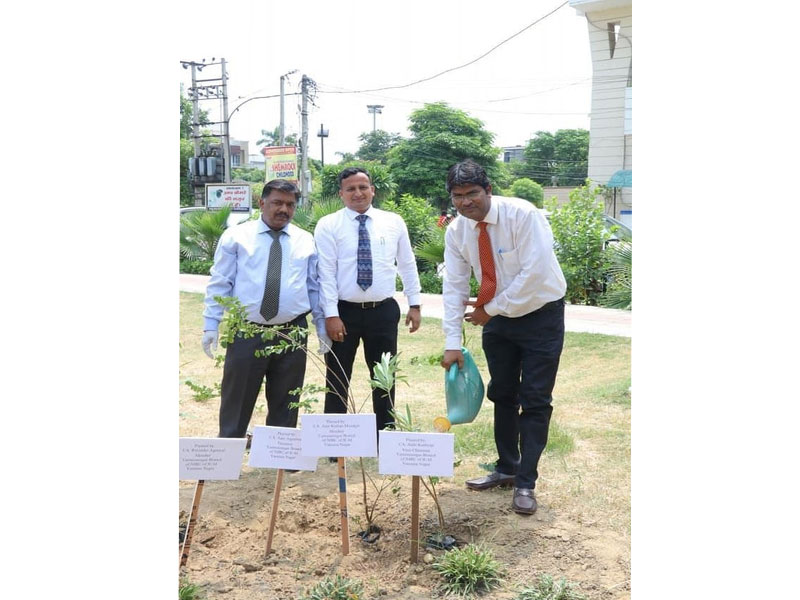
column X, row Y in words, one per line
column 270, row 265
column 361, row 251
column 509, row 245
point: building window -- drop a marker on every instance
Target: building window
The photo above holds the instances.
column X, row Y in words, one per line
column 236, row 160
column 613, row 37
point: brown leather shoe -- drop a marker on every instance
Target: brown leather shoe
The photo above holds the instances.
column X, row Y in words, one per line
column 524, row 501
column 491, row 480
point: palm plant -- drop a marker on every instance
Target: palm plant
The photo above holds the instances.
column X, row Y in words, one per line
column 200, row 232
column 307, row 216
column 619, row 293
column 431, row 248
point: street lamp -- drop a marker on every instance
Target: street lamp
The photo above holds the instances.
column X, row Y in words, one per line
column 323, row 133
column 375, row 109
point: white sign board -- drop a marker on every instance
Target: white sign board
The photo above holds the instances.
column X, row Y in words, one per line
column 339, row 435
column 279, row 448
column 407, row 453
column 211, row 458
column 235, row 196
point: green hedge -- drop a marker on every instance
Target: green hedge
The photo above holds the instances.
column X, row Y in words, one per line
column 196, row 267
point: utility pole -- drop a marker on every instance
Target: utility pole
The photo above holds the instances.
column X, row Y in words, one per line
column 226, row 140
column 375, row 109
column 304, row 142
column 195, row 113
column 284, row 77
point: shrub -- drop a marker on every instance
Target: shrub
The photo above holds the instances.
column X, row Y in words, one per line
column 430, row 282
column 619, row 293
column 188, row 591
column 468, row 570
column 335, row 588
column 419, row 215
column 580, row 238
column 529, row 190
column 196, row 267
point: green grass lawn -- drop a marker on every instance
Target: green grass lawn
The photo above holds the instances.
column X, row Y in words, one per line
column 586, row 466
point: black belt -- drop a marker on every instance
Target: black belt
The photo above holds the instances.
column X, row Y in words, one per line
column 287, row 324
column 365, row 304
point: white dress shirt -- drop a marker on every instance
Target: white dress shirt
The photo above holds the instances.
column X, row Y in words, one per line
column 240, row 270
column 527, row 271
column 336, row 236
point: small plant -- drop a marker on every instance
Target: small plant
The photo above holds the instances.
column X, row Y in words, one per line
column 203, row 392
column 335, row 588
column 188, row 591
column 548, row 589
column 468, row 570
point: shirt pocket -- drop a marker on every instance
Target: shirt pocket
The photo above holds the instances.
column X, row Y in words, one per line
column 508, row 263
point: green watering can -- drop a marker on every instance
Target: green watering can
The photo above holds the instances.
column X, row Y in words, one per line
column 463, row 389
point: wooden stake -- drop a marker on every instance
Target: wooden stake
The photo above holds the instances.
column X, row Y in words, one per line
column 274, row 517
column 414, row 518
column 187, row 538
column 343, row 507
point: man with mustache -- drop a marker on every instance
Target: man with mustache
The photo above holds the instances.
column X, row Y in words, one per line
column 270, row 265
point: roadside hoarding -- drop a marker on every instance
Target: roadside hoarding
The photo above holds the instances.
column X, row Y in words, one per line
column 219, row 195
column 281, row 163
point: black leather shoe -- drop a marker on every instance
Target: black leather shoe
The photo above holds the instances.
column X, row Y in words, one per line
column 493, row 479
column 524, row 501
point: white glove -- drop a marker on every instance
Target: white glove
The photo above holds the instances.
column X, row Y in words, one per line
column 210, row 339
column 324, row 342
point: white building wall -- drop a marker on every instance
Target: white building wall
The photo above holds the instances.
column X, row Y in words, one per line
column 610, row 133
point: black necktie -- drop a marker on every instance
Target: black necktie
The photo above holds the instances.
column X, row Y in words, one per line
column 272, row 289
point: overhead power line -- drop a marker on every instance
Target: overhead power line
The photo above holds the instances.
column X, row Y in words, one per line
column 450, row 70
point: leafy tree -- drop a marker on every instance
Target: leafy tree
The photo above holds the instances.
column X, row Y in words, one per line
column 375, row 145
column 529, row 190
column 273, row 138
column 580, row 237
column 562, row 157
column 441, row 136
column 251, row 174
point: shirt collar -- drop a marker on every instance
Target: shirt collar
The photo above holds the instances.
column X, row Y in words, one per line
column 263, row 227
column 351, row 214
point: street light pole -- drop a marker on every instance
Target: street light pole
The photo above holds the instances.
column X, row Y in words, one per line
column 375, row 109
column 323, row 133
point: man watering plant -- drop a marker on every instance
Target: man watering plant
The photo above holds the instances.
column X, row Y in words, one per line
column 509, row 246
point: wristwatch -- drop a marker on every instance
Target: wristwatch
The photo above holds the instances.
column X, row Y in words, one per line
column 414, row 306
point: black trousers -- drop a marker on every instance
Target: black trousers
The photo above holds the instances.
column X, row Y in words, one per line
column 242, row 377
column 523, row 356
column 377, row 328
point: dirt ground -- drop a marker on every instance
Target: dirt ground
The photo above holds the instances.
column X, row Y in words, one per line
column 227, row 555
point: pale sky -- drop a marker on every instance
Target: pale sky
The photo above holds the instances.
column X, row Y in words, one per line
column 539, row 80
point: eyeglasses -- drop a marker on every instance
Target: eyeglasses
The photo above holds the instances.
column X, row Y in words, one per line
column 471, row 196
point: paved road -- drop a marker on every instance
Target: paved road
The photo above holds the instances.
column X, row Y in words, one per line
column 587, row 319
